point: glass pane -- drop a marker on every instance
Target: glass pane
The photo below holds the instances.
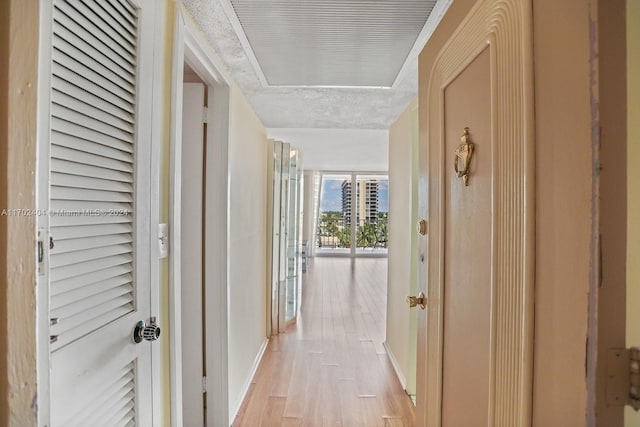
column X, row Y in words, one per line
column 372, row 213
column 292, row 238
column 334, row 231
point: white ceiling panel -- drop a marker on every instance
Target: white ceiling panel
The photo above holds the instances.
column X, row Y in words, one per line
column 330, row 43
column 348, row 90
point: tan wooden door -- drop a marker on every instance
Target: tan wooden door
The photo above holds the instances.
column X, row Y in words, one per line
column 467, row 251
column 475, row 335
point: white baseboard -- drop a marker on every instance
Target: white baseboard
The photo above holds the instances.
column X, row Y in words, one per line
column 245, row 388
column 396, row 368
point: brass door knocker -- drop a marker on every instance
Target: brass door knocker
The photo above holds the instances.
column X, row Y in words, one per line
column 464, row 152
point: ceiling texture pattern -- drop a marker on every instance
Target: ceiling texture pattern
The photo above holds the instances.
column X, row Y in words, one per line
column 345, row 64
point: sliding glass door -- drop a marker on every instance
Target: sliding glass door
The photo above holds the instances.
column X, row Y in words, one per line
column 285, row 199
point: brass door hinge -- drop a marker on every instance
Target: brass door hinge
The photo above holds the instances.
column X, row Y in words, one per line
column 634, row 378
column 623, row 377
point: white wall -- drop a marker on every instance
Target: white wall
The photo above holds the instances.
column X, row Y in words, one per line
column 338, row 149
column 247, row 244
column 402, row 321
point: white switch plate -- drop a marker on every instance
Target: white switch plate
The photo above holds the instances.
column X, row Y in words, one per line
column 163, row 240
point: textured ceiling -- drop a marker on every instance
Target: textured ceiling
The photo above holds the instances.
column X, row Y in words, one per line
column 298, row 107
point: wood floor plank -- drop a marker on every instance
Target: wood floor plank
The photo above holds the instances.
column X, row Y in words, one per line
column 243, row 408
column 330, row 367
column 273, row 411
column 291, row 422
column 294, row 407
column 312, row 416
column 350, row 404
column 372, row 412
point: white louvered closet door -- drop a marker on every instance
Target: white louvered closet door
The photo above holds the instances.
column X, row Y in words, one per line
column 99, row 205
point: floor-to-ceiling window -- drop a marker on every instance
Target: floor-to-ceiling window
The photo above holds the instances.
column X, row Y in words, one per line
column 353, row 214
column 333, row 235
column 372, row 214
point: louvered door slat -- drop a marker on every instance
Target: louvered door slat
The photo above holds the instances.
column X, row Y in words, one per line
column 122, row 417
column 85, row 307
column 71, row 245
column 68, row 55
column 86, row 109
column 107, row 393
column 65, row 113
column 67, row 220
column 86, row 322
column 92, row 100
column 123, row 11
column 114, row 404
column 125, row 5
column 84, row 170
column 82, row 194
column 70, row 136
column 120, row 26
column 116, row 413
column 93, row 277
column 65, row 299
column 114, row 75
column 71, row 70
column 75, row 181
column 75, row 143
column 109, row 209
column 105, row 58
column 62, row 273
column 110, row 40
column 63, row 233
column 75, row 315
column 82, row 158
column 62, row 75
column 76, row 257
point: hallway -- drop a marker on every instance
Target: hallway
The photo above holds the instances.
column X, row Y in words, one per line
column 331, row 369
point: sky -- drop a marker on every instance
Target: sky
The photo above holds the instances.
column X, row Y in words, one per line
column 331, row 195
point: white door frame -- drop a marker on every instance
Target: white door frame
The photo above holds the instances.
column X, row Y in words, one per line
column 190, row 46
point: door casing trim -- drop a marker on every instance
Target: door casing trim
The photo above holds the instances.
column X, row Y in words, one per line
column 190, row 46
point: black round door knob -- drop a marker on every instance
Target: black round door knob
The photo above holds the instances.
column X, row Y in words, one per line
column 151, row 332
column 144, row 331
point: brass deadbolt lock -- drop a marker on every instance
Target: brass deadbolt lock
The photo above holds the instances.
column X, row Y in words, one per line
column 420, row 301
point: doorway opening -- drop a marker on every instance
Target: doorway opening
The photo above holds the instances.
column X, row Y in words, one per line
column 198, row 224
column 193, row 226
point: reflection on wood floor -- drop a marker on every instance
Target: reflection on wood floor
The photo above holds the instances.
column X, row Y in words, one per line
column 330, row 369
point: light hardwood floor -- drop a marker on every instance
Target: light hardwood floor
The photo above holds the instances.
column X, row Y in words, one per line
column 330, row 369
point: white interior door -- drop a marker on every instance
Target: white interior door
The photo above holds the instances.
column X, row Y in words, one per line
column 192, row 232
column 99, row 192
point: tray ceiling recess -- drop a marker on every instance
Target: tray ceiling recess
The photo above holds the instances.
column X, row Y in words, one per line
column 333, row 43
